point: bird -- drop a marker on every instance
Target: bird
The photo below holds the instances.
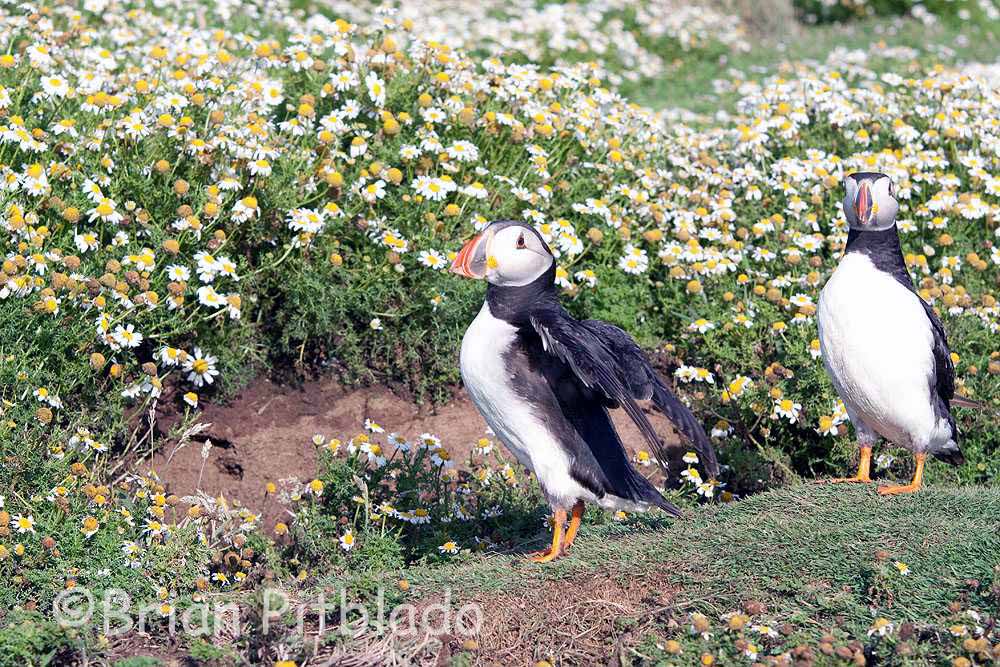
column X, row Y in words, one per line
column 544, row 383
column 883, row 346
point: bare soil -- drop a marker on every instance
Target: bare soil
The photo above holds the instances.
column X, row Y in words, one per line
column 265, row 434
column 597, row 619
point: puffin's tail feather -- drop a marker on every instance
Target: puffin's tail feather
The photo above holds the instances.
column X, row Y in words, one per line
column 688, row 425
column 654, row 497
column 641, row 490
column 667, row 506
column 950, row 453
column 965, row 402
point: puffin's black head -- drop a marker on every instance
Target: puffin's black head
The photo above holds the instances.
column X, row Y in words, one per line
column 507, row 254
column 870, row 201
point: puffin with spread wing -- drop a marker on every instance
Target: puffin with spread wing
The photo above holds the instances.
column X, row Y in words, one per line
column 544, row 382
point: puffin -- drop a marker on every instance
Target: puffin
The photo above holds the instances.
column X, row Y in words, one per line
column 883, row 346
column 544, row 383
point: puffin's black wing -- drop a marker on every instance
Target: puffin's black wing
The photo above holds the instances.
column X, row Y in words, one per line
column 604, row 357
column 944, row 385
column 645, row 384
column 599, row 460
column 944, row 368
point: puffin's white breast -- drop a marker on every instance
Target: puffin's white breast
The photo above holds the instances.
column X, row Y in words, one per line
column 515, row 421
column 877, row 345
column 487, row 378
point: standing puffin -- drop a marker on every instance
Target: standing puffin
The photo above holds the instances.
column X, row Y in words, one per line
column 544, row 382
column 882, row 345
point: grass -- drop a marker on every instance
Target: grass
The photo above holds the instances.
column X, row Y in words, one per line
column 772, row 544
column 819, row 563
column 814, row 556
column 690, row 87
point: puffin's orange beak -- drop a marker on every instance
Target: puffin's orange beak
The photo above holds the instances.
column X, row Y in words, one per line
column 468, row 262
column 863, row 204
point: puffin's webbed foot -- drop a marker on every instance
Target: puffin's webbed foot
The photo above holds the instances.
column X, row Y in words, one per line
column 857, row 479
column 864, row 471
column 918, row 476
column 543, row 556
column 574, row 526
column 896, row 489
column 554, row 551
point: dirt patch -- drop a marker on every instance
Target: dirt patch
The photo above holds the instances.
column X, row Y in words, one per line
column 168, row 650
column 597, row 618
column 265, row 434
column 592, row 619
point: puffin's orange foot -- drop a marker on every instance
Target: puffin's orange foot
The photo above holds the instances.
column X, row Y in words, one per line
column 918, row 478
column 895, row 490
column 532, row 555
column 864, row 471
column 857, row 479
column 574, row 526
column 543, row 556
column 554, row 551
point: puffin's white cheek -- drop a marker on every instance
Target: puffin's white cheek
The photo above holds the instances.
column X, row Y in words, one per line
column 524, row 267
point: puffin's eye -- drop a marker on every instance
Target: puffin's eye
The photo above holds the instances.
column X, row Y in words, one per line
column 520, row 242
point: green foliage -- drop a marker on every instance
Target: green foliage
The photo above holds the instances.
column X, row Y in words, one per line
column 139, row 661
column 313, row 314
column 207, row 653
column 373, row 514
column 820, row 11
column 29, row 639
column 355, row 296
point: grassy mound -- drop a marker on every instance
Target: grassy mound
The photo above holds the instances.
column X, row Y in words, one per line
column 812, row 574
column 805, row 563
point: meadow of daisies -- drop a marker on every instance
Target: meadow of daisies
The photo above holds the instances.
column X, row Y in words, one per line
column 194, row 194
